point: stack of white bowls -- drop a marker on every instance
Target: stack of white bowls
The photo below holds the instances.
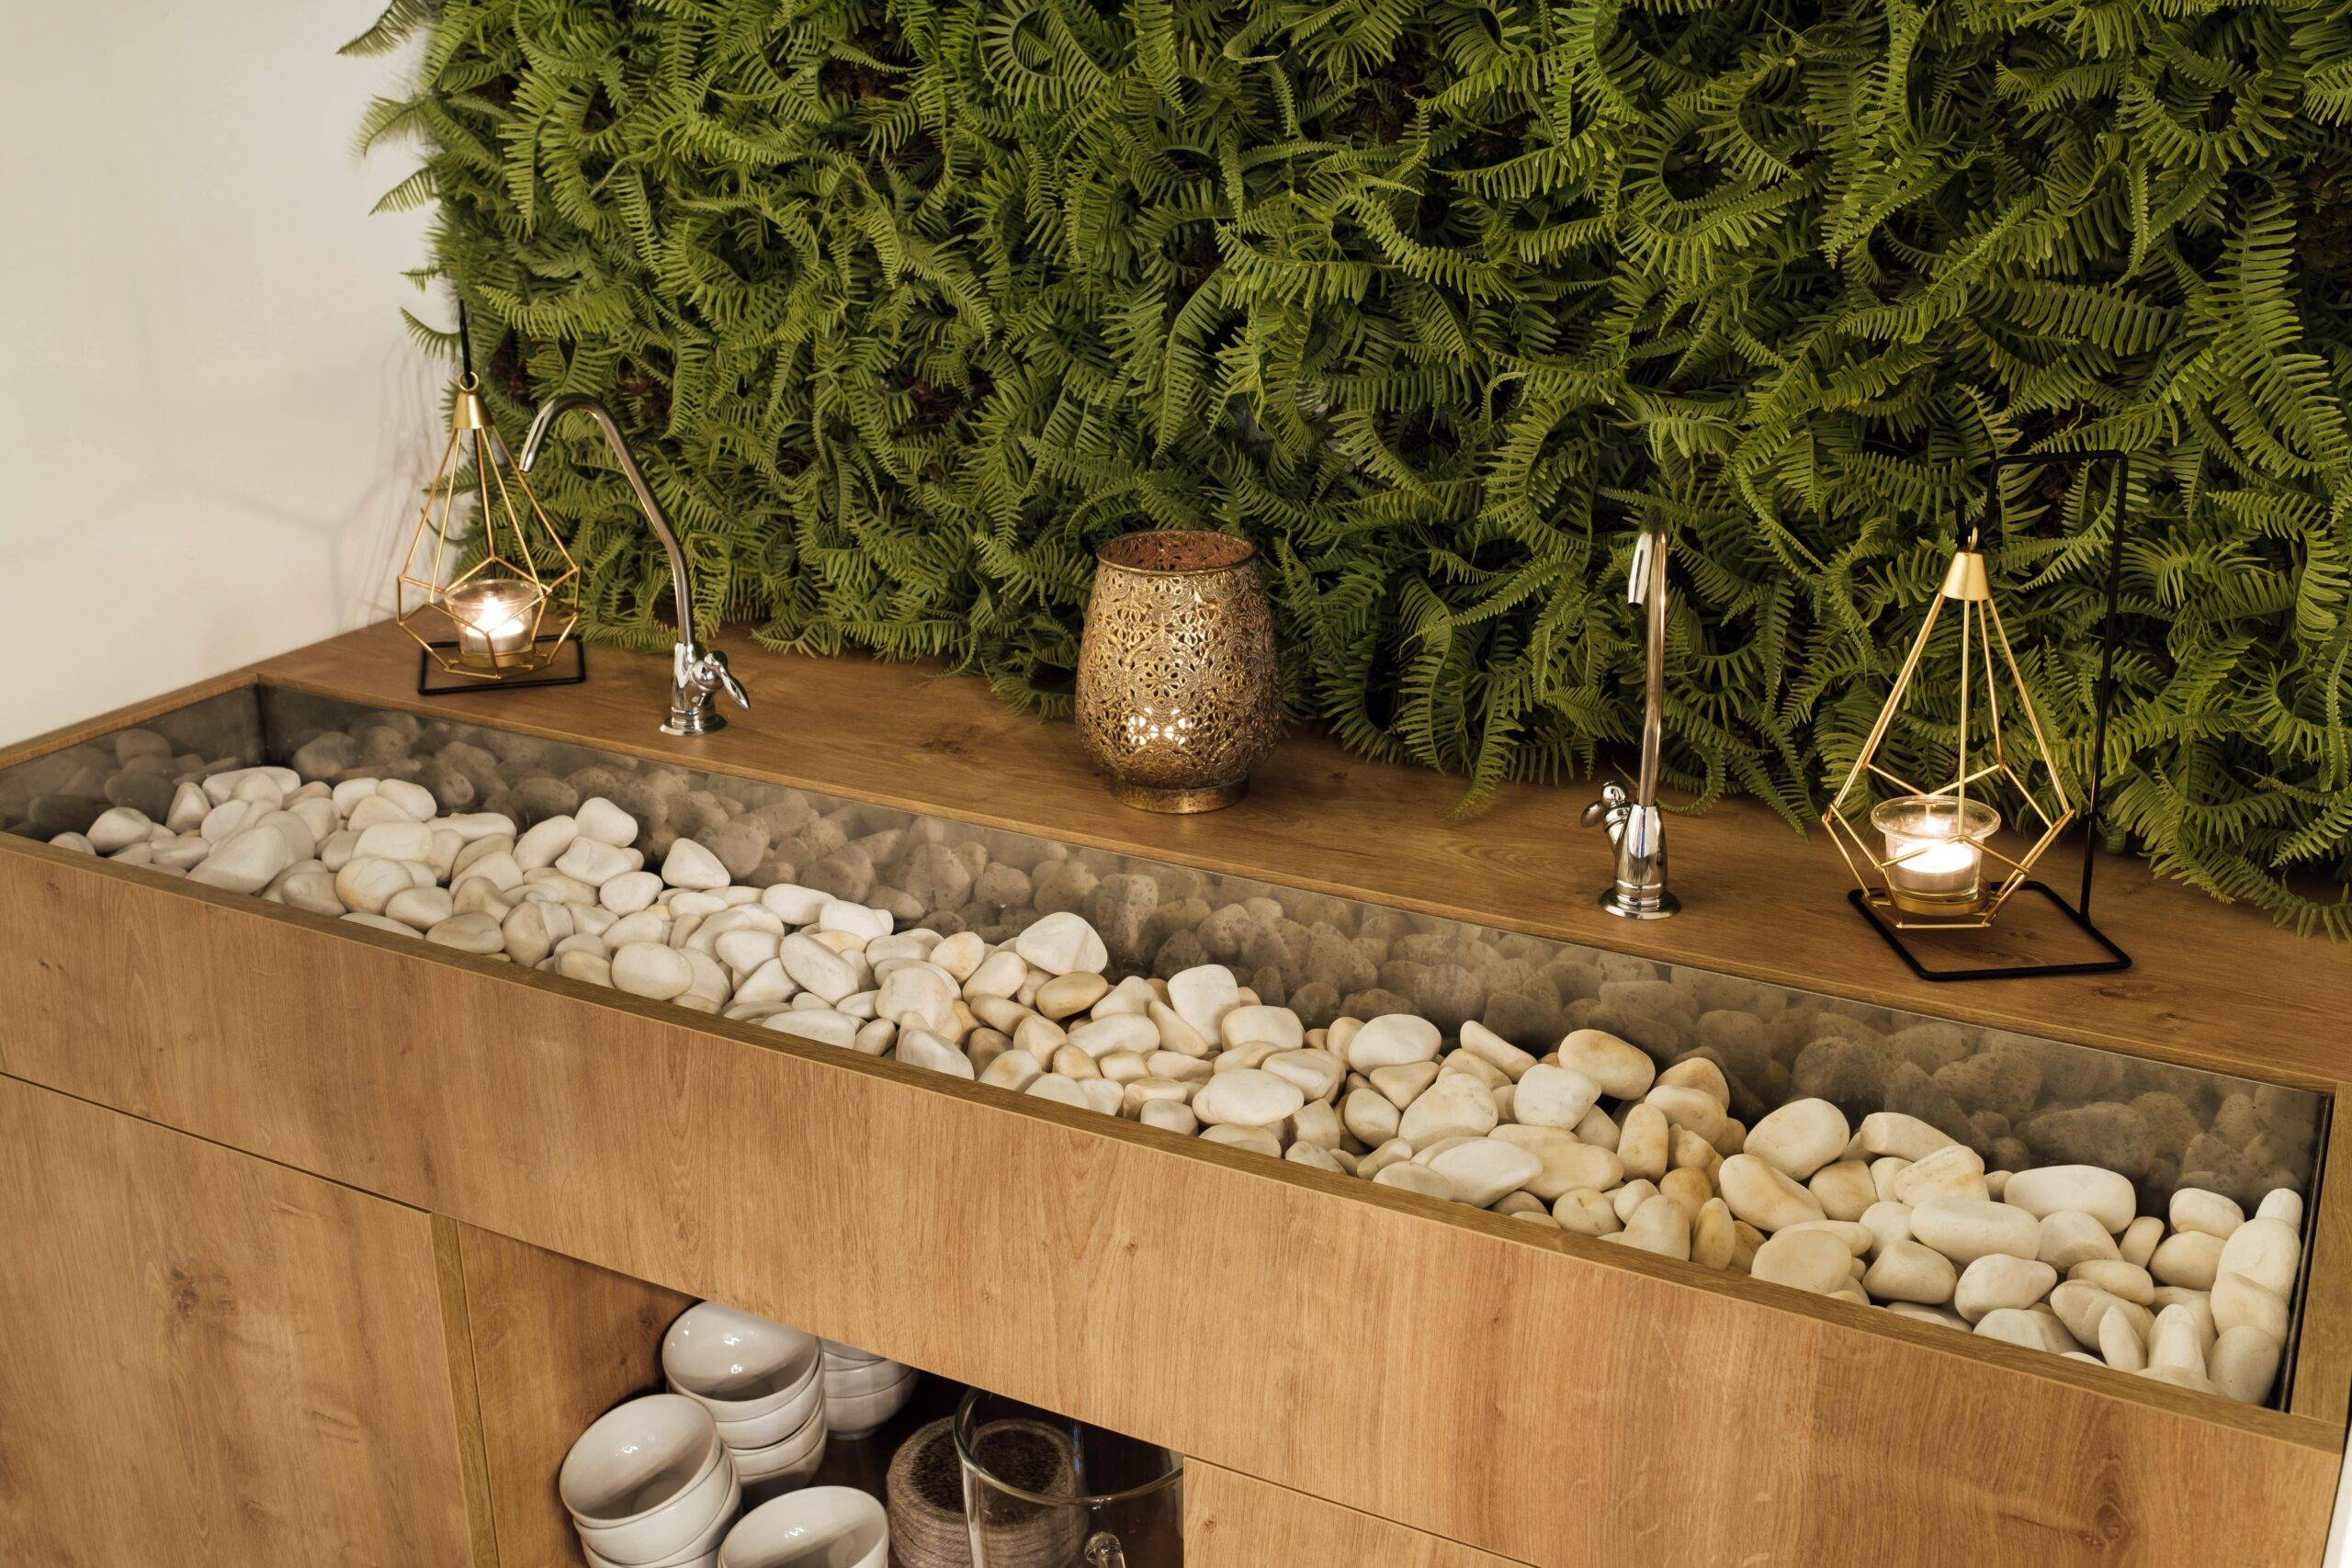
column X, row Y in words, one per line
column 861, row 1390
column 758, row 1381
column 651, row 1485
column 822, row 1526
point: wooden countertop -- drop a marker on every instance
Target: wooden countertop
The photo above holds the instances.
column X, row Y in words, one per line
column 2214, row 985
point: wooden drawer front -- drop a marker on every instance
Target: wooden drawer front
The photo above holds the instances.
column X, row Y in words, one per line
column 211, row 1358
column 1464, row 1374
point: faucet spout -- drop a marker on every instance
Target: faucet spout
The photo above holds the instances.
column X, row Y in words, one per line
column 695, row 671
column 1636, row 827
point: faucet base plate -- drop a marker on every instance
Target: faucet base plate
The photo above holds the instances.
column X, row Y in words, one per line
column 1656, row 909
column 693, row 724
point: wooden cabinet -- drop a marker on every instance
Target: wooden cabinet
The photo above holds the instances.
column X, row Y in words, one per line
column 1360, row 1374
column 210, row 1358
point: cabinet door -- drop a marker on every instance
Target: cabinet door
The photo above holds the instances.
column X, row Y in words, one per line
column 208, row 1358
column 1234, row 1521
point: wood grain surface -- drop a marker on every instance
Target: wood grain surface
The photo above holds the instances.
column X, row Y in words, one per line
column 1449, row 1369
column 555, row 1342
column 1235, row 1521
column 206, row 1358
column 1759, row 899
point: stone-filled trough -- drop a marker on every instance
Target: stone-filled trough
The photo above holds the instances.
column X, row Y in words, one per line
column 2081, row 1201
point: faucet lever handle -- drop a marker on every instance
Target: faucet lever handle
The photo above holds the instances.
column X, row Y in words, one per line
column 712, row 671
column 1605, row 812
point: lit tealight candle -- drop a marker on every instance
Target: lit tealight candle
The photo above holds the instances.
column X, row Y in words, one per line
column 494, row 618
column 1935, row 858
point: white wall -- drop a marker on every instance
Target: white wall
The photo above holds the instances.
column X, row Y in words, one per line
column 211, row 420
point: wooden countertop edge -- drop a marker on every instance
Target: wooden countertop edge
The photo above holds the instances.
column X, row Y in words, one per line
column 2302, row 1430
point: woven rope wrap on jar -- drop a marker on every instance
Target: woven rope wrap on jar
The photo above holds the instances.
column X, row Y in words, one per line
column 1177, row 693
column 926, row 1493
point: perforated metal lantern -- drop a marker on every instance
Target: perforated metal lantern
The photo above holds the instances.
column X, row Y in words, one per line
column 509, row 613
column 1924, row 854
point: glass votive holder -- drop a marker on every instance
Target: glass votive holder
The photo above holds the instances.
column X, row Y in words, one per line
column 1934, row 852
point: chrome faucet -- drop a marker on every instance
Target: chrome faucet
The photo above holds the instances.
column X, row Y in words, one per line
column 695, row 671
column 1635, row 828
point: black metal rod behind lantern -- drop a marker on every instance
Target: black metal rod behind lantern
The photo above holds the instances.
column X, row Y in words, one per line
column 2079, row 912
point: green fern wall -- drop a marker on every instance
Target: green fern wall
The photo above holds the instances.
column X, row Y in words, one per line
column 908, row 302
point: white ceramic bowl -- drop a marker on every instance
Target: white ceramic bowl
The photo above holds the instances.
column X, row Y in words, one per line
column 791, row 1413
column 798, row 1455
column 646, row 1478
column 839, row 1354
column 843, row 1381
column 700, row 1553
column 821, row 1527
column 739, row 1366
column 853, row 1415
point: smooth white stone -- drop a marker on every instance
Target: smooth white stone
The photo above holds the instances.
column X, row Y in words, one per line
column 2034, row 1330
column 1548, row 1096
column 1396, row 1039
column 2138, row 1242
column 920, row 997
column 2266, row 1252
column 747, row 950
column 423, row 907
column 1495, row 1051
column 1368, row 1116
column 2103, row 1194
column 629, row 892
column 1585, row 1213
column 1998, row 1280
column 374, row 810
column 1453, row 1107
column 1624, row 1071
column 246, row 862
column 1806, row 1259
column 1257, row 1140
column 2207, row 1212
column 2237, row 1300
column 317, row 815
column 1413, row 1178
column 649, row 969
column 476, row 824
column 2070, row 1237
column 397, row 840
column 1893, row 1133
column 961, row 954
column 543, row 842
column 1659, row 1225
column 594, row 969
column 688, row 864
column 2285, row 1205
column 2119, row 1345
column 596, row 863
column 600, row 820
column 1936, row 1314
column 2179, row 1338
column 1908, row 1270
column 410, row 799
column 1888, row 1223
column 222, row 786
column 1644, row 1145
column 1098, row 1037
column 117, row 829
column 1259, row 1023
column 1308, row 1154
column 1799, row 1138
column 2243, row 1363
column 336, row 849
column 531, row 931
column 1247, row 1097
column 2191, row 1259
column 919, row 1047
column 822, row 1025
column 469, row 933
column 1015, row 1069
column 190, row 806
column 1953, row 1171
column 818, row 968
column 1173, row 1115
column 313, row 890
column 1202, row 996
column 1966, row 1229
column 1404, row 1083
column 1759, row 1194
column 856, row 921
column 1317, row 1073
column 225, row 821
column 1061, row 944
column 378, row 922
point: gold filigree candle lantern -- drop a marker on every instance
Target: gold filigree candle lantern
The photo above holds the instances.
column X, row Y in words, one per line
column 1923, row 861
column 508, row 618
column 1178, row 693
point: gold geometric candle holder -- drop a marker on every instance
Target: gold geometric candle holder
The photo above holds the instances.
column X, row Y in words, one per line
column 1925, row 856
column 508, row 618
